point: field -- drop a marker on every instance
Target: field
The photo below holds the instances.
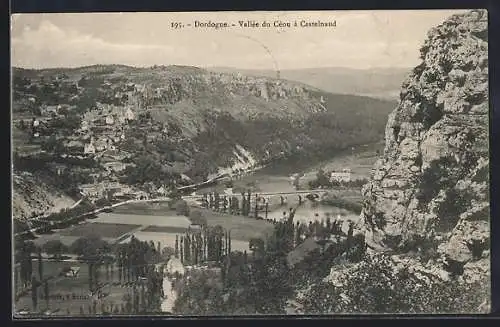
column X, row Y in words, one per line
column 69, row 294
column 146, row 219
column 164, row 229
column 242, row 228
column 145, row 209
column 105, row 230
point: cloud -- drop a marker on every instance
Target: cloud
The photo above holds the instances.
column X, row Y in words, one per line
column 361, row 39
column 50, row 45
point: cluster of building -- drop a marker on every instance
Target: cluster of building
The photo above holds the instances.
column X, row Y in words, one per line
column 101, row 190
column 104, row 127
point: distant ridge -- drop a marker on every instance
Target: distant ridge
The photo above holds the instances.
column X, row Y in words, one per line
column 379, row 82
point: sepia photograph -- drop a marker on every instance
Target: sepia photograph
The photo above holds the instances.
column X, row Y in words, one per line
column 255, row 163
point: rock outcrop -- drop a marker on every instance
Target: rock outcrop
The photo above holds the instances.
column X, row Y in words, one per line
column 432, row 183
column 32, row 197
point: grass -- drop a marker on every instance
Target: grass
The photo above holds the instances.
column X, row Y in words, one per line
column 169, row 219
column 157, row 209
column 105, row 230
column 164, row 229
column 242, row 228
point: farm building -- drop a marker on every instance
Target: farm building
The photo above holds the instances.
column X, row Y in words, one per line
column 92, row 190
column 341, row 176
column 72, row 272
column 175, row 265
column 115, row 166
column 89, row 148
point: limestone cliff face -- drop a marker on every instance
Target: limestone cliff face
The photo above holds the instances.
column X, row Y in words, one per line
column 432, row 183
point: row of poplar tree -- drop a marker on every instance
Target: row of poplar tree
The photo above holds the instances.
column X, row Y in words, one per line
column 207, row 244
column 231, row 204
column 132, row 261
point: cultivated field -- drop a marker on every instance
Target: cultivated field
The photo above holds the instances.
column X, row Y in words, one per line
column 242, row 228
column 145, row 209
column 164, row 229
column 167, row 219
column 105, row 230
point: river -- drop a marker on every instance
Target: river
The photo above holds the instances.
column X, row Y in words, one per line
column 276, row 178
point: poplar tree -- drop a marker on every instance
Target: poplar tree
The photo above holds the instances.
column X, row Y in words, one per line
column 248, row 203
column 182, row 249
column 176, row 250
column 40, row 264
column 34, row 292
column 91, row 282
column 46, row 292
column 243, row 204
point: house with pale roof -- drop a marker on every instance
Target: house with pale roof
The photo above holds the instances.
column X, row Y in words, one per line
column 110, row 120
column 129, row 114
column 75, row 146
column 89, row 148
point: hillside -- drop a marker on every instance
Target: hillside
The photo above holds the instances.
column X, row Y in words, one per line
column 152, row 127
column 383, row 83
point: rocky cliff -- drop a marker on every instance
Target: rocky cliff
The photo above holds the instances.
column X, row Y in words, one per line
column 432, row 184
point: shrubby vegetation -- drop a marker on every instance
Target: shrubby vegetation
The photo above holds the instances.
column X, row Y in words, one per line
column 262, row 282
column 323, row 181
column 344, row 204
column 55, row 248
column 373, row 286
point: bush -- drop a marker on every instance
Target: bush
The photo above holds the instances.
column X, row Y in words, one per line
column 90, row 247
column 55, row 248
column 343, row 204
column 374, row 286
column 449, row 210
column 197, row 218
column 435, row 177
column 182, row 208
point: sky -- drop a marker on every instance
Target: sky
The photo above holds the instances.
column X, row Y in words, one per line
column 360, row 39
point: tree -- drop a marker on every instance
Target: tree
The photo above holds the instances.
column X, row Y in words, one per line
column 234, row 205
column 244, row 204
column 197, row 218
column 40, row 264
column 55, row 248
column 182, row 208
column 25, row 250
column 321, row 178
column 176, row 250
column 90, row 247
column 46, row 292
column 34, row 292
column 257, row 246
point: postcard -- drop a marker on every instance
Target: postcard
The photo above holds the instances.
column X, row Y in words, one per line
column 250, row 163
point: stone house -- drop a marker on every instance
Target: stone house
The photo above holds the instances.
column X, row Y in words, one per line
column 110, row 120
column 343, row 176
